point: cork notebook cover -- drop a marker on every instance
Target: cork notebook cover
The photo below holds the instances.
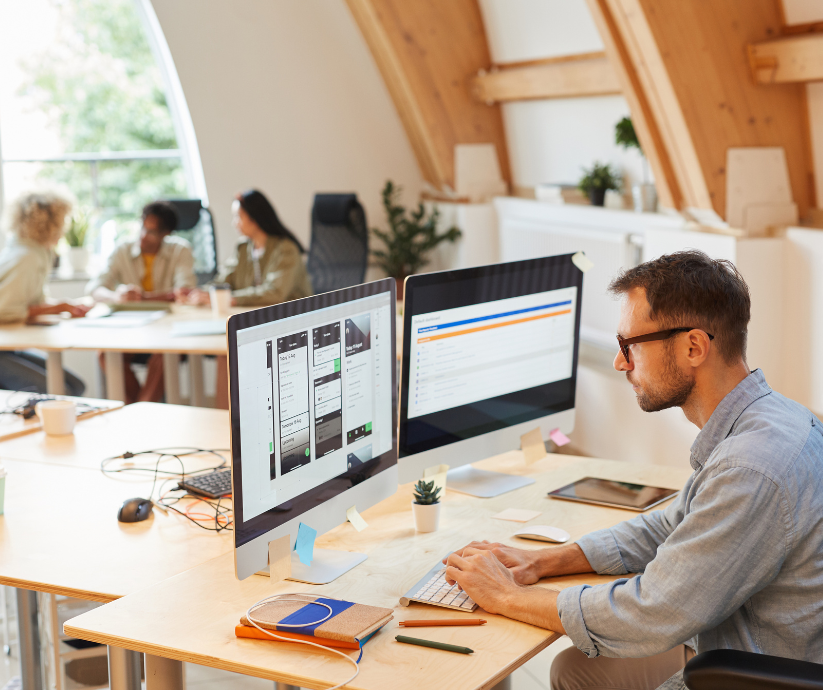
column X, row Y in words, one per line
column 349, row 621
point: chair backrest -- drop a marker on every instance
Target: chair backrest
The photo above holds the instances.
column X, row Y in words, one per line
column 196, row 225
column 339, row 242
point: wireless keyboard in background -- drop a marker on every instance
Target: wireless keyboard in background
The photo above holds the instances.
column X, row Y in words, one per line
column 213, row 485
column 433, row 589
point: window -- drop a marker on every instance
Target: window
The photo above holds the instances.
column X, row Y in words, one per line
column 83, row 102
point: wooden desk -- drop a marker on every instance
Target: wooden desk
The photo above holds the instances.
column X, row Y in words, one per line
column 137, row 427
column 191, row 616
column 13, row 425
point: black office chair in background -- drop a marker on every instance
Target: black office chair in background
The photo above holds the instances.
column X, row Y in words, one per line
column 339, row 242
column 730, row 669
column 196, row 225
column 25, row 370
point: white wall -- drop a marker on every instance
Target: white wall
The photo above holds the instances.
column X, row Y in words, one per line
column 286, row 97
column 551, row 140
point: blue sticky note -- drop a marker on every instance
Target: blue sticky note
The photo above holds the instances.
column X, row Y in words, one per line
column 304, row 545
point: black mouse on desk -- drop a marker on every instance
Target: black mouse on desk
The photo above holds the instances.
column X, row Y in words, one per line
column 135, row 510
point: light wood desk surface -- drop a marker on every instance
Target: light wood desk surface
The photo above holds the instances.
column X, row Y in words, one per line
column 137, row 427
column 13, row 425
column 191, row 617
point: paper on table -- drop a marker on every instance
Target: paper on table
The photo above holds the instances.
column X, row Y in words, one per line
column 517, row 515
column 559, row 438
column 583, row 262
column 532, row 445
column 438, row 474
column 356, row 519
column 304, row 545
column 279, row 559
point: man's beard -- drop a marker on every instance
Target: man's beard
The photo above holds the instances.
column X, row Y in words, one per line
column 673, row 391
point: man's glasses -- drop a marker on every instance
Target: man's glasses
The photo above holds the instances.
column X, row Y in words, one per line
column 659, row 335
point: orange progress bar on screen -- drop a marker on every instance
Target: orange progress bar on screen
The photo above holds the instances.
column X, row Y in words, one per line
column 494, row 325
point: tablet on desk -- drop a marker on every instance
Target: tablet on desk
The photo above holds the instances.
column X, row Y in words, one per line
column 606, row 492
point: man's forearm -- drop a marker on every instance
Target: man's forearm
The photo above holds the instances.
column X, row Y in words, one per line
column 534, row 605
column 562, row 560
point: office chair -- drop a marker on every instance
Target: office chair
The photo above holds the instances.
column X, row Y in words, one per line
column 730, row 669
column 339, row 242
column 25, row 370
column 196, row 225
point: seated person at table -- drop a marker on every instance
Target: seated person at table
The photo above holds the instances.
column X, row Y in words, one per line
column 35, row 222
column 736, row 560
column 154, row 267
column 267, row 267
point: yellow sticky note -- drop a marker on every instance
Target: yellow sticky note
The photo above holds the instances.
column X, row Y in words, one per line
column 583, row 262
column 532, row 446
column 438, row 474
column 356, row 519
column 279, row 559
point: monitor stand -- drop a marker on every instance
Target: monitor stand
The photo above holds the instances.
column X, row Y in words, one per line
column 482, row 483
column 326, row 566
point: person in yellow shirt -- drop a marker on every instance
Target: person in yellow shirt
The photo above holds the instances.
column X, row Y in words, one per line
column 153, row 267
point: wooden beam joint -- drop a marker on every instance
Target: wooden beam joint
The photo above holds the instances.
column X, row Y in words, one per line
column 796, row 59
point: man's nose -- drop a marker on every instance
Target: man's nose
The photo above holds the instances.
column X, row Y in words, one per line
column 620, row 363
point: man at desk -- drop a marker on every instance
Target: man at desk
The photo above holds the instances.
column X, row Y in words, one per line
column 154, row 267
column 736, row 561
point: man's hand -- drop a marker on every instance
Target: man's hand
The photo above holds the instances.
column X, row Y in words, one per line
column 522, row 564
column 129, row 293
column 198, row 297
column 74, row 310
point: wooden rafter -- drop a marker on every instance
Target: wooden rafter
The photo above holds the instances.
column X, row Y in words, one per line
column 787, row 60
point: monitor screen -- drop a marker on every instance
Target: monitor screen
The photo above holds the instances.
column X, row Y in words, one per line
column 313, row 394
column 487, row 348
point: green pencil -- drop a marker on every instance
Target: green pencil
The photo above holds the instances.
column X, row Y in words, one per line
column 434, row 645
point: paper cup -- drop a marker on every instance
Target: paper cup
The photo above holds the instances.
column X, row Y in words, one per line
column 220, row 301
column 57, row 416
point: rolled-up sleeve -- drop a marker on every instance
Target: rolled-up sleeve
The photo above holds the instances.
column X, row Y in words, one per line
column 730, row 545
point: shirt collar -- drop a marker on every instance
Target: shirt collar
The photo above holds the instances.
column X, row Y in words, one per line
column 720, row 424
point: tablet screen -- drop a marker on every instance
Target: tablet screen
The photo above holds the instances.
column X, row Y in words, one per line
column 617, row 494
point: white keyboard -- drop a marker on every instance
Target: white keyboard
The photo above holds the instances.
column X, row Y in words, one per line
column 433, row 589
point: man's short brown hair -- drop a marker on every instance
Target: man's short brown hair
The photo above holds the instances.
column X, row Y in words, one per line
column 689, row 289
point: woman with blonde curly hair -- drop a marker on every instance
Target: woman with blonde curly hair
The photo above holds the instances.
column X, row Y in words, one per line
column 35, row 222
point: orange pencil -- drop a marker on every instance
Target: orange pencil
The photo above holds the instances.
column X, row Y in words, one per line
column 442, row 621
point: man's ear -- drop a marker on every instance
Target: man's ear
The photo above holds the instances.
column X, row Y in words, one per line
column 699, row 347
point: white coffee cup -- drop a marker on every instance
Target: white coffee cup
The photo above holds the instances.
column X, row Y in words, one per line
column 220, row 300
column 57, row 416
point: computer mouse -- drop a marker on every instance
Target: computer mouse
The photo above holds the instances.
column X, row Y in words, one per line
column 544, row 533
column 135, row 510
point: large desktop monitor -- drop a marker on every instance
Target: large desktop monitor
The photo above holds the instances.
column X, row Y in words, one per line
column 313, row 420
column 489, row 353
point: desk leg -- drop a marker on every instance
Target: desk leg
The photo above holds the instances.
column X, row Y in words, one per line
column 115, row 379
column 55, row 378
column 28, row 634
column 171, row 377
column 197, row 396
column 163, row 674
column 124, row 669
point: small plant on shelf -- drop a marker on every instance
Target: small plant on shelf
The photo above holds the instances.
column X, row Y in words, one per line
column 597, row 180
column 409, row 239
column 425, row 493
column 644, row 195
column 78, row 229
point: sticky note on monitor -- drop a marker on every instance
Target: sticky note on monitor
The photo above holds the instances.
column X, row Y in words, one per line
column 437, row 473
column 532, row 446
column 559, row 438
column 280, row 559
column 304, row 545
column 583, row 262
column 356, row 519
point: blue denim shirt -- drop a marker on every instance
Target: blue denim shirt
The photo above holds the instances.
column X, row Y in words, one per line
column 736, row 561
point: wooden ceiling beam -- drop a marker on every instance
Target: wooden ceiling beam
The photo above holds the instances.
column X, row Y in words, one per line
column 787, row 60
column 569, row 76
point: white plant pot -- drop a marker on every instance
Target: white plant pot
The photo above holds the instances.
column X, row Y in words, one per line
column 78, row 259
column 645, row 198
column 427, row 517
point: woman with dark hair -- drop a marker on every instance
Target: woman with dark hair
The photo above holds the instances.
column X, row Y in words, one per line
column 267, row 267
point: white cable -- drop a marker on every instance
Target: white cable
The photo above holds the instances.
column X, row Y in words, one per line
column 284, row 597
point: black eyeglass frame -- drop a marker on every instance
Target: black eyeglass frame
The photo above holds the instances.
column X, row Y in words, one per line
column 624, row 343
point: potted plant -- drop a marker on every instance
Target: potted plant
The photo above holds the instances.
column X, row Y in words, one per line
column 644, row 195
column 426, row 506
column 596, row 181
column 76, row 239
column 409, row 239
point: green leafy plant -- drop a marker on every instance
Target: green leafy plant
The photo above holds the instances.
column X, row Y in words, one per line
column 625, row 136
column 599, row 177
column 78, row 229
column 410, row 237
column 425, row 493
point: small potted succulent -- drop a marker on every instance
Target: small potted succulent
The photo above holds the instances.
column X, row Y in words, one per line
column 597, row 180
column 76, row 239
column 426, row 506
